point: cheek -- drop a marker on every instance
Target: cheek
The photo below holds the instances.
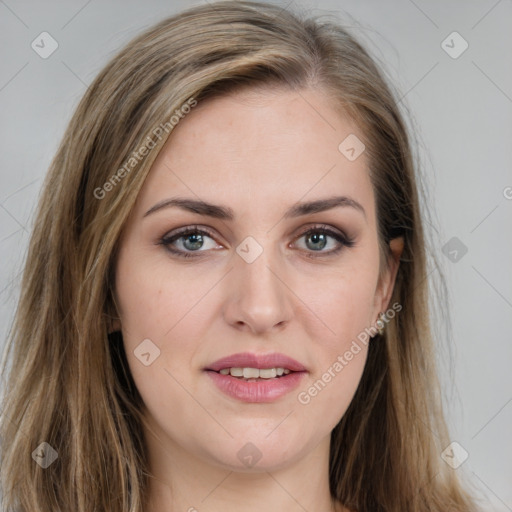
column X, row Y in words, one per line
column 151, row 301
column 329, row 392
column 339, row 363
column 340, row 307
column 161, row 317
column 153, row 307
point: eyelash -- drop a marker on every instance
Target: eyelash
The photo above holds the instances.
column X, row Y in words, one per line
column 166, row 241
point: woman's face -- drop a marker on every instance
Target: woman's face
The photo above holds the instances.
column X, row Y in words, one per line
column 256, row 283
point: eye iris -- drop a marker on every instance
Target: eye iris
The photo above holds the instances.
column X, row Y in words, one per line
column 196, row 244
column 316, row 237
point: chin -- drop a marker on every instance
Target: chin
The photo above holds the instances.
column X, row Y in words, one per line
column 258, row 452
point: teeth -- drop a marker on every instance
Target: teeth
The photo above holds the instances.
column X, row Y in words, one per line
column 268, row 374
column 251, row 373
column 255, row 373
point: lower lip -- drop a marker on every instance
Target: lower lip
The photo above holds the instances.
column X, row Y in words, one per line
column 264, row 390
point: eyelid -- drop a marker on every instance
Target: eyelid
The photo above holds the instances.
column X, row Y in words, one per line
column 322, row 227
column 197, row 228
column 192, row 229
column 341, row 238
column 344, row 241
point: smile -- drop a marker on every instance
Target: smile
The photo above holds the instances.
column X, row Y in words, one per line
column 250, row 374
column 253, row 378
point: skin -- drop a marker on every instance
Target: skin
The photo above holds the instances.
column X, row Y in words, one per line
column 257, row 152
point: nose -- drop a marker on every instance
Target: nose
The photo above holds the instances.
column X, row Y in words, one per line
column 259, row 299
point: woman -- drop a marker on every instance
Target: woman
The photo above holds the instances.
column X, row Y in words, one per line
column 224, row 304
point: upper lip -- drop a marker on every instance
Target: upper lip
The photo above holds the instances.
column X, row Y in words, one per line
column 251, row 360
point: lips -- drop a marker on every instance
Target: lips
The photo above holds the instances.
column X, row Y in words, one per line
column 261, row 361
column 235, row 376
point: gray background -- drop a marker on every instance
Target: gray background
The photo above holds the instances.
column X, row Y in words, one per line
column 462, row 110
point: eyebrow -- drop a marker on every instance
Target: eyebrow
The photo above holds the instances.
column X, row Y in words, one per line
column 226, row 213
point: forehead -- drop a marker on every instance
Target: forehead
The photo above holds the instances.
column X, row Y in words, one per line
column 260, row 146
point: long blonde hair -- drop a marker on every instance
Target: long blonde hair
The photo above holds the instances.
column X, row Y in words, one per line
column 69, row 385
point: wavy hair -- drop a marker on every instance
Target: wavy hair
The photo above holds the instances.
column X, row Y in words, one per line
column 69, row 385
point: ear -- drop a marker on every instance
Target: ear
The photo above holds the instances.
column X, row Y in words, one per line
column 387, row 281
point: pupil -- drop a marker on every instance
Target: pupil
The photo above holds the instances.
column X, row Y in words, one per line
column 199, row 244
column 315, row 237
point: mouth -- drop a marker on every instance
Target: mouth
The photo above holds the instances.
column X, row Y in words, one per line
column 249, row 374
column 256, row 378
column 250, row 362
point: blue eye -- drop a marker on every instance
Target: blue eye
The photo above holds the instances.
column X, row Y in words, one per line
column 318, row 238
column 192, row 240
